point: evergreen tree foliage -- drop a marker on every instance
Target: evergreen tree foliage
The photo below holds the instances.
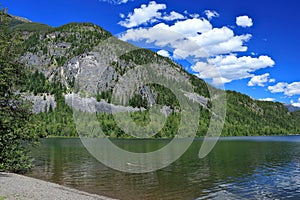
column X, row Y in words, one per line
column 17, row 129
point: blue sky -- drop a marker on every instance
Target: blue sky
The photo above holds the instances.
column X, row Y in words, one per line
column 254, row 44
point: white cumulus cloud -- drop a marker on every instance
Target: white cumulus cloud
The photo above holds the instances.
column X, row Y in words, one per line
column 173, row 16
column 122, row 15
column 259, row 80
column 149, row 14
column 191, row 27
column 163, row 53
column 211, row 13
column 190, row 37
column 211, row 50
column 192, row 15
column 267, row 99
column 224, row 69
column 244, row 21
column 122, row 1
column 143, row 14
column 296, row 104
column 286, row 88
column 117, row 2
column 272, row 80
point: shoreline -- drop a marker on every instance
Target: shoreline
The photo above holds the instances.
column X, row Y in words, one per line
column 169, row 138
column 15, row 187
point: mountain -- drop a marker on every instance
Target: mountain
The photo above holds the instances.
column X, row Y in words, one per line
column 292, row 108
column 57, row 57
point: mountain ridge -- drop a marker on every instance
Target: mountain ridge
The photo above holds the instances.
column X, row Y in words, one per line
column 56, row 54
column 292, row 108
column 22, row 19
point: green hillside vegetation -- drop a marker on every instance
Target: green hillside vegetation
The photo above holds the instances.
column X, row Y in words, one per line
column 31, row 27
column 245, row 116
column 17, row 125
column 55, row 122
column 12, row 21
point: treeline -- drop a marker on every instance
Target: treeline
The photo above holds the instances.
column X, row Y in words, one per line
column 37, row 83
column 60, row 121
column 57, row 121
column 31, row 27
column 141, row 119
column 244, row 116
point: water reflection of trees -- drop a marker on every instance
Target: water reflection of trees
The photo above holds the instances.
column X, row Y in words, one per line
column 232, row 167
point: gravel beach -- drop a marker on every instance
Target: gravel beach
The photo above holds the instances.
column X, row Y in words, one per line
column 14, row 186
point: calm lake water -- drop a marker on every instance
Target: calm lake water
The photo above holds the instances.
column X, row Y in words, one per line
column 237, row 168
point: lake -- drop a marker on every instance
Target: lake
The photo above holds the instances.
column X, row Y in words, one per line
column 237, row 168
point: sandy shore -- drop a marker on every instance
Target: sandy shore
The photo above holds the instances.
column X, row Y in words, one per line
column 14, row 186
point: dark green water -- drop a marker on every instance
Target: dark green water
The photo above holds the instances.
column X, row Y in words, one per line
column 237, row 168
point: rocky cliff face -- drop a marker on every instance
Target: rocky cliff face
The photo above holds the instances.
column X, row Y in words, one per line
column 92, row 105
column 42, row 102
column 49, row 51
column 87, row 63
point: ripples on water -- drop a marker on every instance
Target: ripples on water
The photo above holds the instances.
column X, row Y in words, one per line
column 237, row 168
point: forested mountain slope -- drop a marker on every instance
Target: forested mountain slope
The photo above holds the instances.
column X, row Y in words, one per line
column 54, row 57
